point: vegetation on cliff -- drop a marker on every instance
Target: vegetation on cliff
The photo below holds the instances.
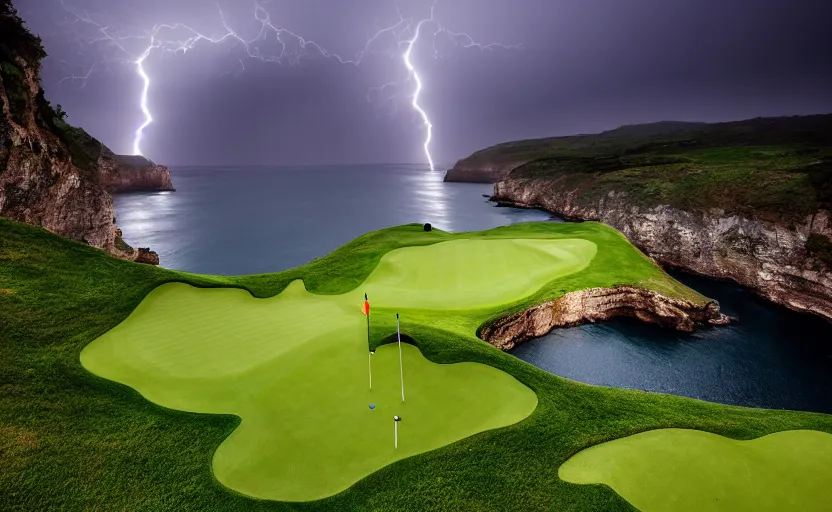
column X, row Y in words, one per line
column 20, row 49
column 52, row 174
column 774, row 169
column 71, row 440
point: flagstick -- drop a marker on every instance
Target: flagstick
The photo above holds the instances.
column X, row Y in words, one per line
column 368, row 323
column 370, row 363
column 370, row 356
column 396, row 421
column 401, row 369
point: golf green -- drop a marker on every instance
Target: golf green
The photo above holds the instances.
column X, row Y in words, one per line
column 689, row 470
column 294, row 367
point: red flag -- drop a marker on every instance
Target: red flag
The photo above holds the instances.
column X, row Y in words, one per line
column 366, row 308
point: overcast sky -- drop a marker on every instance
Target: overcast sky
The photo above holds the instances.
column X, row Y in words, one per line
column 584, row 66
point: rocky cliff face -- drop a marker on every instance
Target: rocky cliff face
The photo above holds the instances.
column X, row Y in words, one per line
column 770, row 257
column 473, row 171
column 127, row 173
column 39, row 182
column 601, row 304
column 48, row 176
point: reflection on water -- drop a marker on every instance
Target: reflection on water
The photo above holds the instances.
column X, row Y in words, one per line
column 772, row 358
column 432, row 196
column 258, row 219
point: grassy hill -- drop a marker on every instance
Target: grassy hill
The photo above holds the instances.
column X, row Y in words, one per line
column 71, row 440
column 771, row 167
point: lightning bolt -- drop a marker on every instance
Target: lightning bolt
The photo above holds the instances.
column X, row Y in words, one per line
column 415, row 99
column 395, row 40
column 148, row 118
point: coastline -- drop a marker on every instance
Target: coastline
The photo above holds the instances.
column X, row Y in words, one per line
column 596, row 304
column 769, row 258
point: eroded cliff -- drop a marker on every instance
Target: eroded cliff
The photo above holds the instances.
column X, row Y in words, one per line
column 773, row 258
column 133, row 173
column 50, row 172
column 595, row 304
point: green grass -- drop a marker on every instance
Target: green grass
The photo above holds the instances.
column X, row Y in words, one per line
column 294, row 368
column 674, row 470
column 776, row 169
column 769, row 181
column 474, row 274
column 71, row 440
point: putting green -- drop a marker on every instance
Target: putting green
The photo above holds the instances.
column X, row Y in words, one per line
column 470, row 274
column 294, row 367
column 689, row 470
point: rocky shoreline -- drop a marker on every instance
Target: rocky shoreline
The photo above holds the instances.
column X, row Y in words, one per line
column 593, row 304
column 769, row 257
column 132, row 173
column 55, row 175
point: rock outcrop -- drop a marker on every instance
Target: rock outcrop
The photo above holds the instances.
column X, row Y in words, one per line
column 594, row 304
column 50, row 172
column 39, row 181
column 772, row 258
column 132, row 173
column 473, row 171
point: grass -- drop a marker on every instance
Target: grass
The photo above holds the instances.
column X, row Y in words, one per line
column 776, row 169
column 294, row 368
column 695, row 471
column 71, row 440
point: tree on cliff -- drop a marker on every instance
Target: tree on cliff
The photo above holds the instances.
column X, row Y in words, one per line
column 15, row 38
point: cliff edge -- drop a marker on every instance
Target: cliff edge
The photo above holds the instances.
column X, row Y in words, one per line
column 50, row 172
column 747, row 201
column 134, row 173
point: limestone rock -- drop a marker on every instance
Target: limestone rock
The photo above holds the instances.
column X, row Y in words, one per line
column 595, row 304
column 130, row 173
column 768, row 257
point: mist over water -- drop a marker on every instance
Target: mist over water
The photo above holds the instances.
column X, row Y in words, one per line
column 245, row 220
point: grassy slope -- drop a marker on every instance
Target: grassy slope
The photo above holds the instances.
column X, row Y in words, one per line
column 777, row 168
column 69, row 439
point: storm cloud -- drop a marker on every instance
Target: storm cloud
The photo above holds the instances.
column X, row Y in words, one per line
column 584, row 66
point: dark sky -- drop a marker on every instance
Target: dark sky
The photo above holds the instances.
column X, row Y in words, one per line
column 585, row 66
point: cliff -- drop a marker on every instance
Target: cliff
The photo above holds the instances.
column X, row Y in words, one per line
column 50, row 172
column 774, row 258
column 594, row 304
column 480, row 172
column 132, row 173
column 747, row 201
column 493, row 164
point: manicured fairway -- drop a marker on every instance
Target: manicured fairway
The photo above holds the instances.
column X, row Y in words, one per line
column 470, row 274
column 678, row 470
column 287, row 372
column 294, row 367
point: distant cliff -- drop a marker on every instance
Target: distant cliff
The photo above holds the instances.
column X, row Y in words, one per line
column 493, row 164
column 480, row 172
column 748, row 201
column 133, row 174
column 50, row 172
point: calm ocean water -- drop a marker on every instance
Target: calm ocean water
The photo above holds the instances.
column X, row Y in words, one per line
column 250, row 220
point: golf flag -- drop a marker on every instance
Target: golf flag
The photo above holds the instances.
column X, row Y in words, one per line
column 365, row 308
